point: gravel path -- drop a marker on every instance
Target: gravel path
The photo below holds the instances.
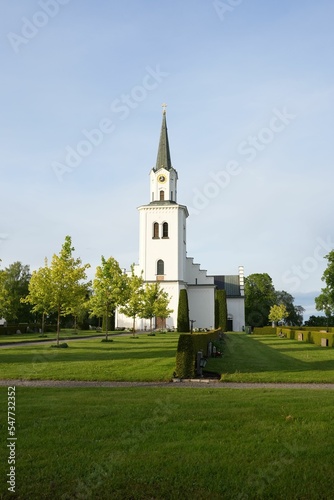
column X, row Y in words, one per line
column 196, row 383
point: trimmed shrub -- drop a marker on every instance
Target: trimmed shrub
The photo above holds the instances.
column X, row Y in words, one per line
column 188, row 346
column 315, row 338
column 264, row 330
column 221, row 310
column 185, row 358
column 183, row 312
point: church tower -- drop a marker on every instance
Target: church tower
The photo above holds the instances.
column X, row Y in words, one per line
column 163, row 242
column 162, row 222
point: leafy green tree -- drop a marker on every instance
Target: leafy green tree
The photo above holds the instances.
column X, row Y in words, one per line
column 295, row 313
column 4, row 299
column 221, row 310
column 325, row 301
column 40, row 290
column 183, row 312
column 133, row 302
column 109, row 287
column 67, row 276
column 278, row 313
column 155, row 303
column 320, row 321
column 259, row 297
column 14, row 283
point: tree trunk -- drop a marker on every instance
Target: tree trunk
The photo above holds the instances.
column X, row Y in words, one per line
column 151, row 324
column 106, row 324
column 134, row 325
column 58, row 325
column 43, row 321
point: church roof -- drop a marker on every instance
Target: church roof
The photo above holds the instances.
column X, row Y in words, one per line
column 163, row 158
column 229, row 283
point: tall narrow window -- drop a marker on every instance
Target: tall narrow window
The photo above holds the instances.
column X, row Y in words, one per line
column 165, row 230
column 160, row 267
column 162, row 195
column 155, row 230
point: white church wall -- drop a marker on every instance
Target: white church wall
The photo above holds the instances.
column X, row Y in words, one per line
column 236, row 308
column 195, row 275
column 171, row 250
column 201, row 301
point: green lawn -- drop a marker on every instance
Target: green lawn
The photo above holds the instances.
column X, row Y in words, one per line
column 246, row 358
column 170, row 443
column 267, row 358
column 144, row 358
column 64, row 334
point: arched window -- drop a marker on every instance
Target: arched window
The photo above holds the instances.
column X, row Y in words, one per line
column 165, row 230
column 162, row 195
column 155, row 230
column 160, row 267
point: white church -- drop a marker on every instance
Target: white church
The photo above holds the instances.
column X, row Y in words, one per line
column 163, row 255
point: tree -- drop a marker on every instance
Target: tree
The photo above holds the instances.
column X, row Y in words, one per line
column 155, row 302
column 4, row 300
column 325, row 301
column 221, row 310
column 14, row 284
column 67, row 276
column 295, row 313
column 183, row 312
column 109, row 288
column 259, row 297
column 320, row 321
column 40, row 290
column 278, row 313
column 133, row 297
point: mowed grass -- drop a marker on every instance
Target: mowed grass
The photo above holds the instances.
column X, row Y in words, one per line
column 38, row 337
column 170, row 443
column 246, row 358
column 251, row 358
column 126, row 358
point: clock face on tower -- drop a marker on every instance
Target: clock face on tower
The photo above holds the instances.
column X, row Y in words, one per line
column 162, row 178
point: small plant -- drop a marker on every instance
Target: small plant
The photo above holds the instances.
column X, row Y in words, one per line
column 107, row 340
column 64, row 345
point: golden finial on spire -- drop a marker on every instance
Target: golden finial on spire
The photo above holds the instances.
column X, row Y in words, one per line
column 164, row 106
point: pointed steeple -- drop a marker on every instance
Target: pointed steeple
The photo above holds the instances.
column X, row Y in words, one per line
column 163, row 158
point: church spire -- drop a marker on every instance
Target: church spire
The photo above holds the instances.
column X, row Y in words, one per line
column 163, row 158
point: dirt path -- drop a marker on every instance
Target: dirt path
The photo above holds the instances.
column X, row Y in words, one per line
column 196, row 383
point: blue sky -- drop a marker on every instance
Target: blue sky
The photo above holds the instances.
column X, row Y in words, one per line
column 249, row 88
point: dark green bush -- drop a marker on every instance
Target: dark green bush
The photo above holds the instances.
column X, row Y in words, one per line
column 63, row 345
column 185, row 358
column 221, row 310
column 188, row 346
column 183, row 312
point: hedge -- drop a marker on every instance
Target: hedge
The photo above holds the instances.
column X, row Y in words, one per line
column 187, row 349
column 264, row 330
column 26, row 328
